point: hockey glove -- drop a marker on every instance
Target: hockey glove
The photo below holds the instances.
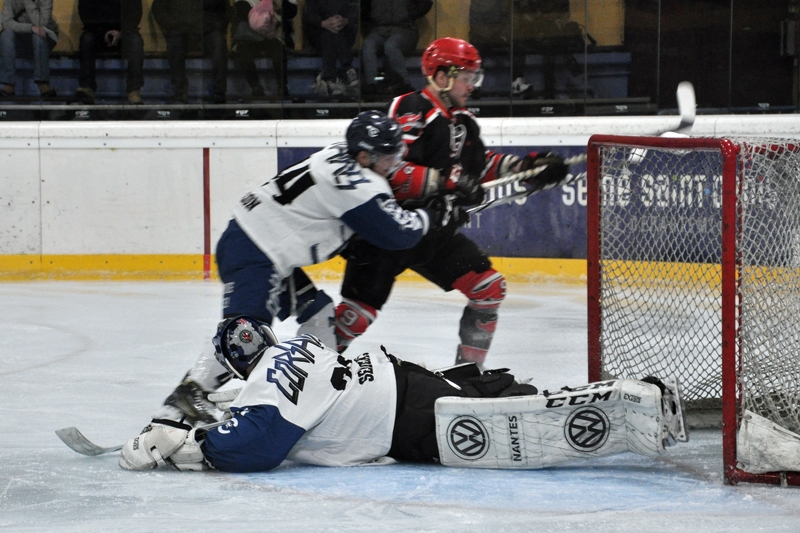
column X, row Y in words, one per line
column 157, row 441
column 439, row 209
column 465, row 188
column 468, row 192
column 554, row 171
column 190, row 456
column 443, row 211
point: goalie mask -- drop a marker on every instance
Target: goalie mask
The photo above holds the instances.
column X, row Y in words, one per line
column 240, row 342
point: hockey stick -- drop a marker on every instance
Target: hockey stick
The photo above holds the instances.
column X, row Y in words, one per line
column 525, row 174
column 73, row 438
column 687, row 106
column 687, row 109
column 519, row 176
column 77, row 442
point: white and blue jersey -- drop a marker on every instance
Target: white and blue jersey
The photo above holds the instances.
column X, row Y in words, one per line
column 306, row 214
column 306, row 403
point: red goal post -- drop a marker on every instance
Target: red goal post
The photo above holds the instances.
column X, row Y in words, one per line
column 693, row 271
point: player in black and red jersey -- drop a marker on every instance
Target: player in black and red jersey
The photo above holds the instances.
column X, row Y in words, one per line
column 446, row 159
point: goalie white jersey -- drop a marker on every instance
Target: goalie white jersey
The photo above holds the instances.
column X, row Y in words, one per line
column 307, row 403
column 305, row 214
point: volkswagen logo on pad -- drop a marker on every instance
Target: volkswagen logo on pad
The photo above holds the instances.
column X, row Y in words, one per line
column 467, row 438
column 587, row 429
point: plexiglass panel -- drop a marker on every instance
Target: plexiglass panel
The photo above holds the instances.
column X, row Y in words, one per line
column 253, row 59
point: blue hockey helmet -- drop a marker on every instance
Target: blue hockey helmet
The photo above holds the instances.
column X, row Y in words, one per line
column 375, row 133
column 241, row 341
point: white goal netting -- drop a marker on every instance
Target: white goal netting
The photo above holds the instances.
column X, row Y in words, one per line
column 665, row 214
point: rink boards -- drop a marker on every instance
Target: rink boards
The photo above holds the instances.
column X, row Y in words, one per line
column 149, row 199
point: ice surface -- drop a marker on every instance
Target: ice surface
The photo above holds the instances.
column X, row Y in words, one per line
column 102, row 356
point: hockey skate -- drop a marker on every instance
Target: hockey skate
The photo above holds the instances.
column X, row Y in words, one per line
column 193, row 404
column 673, row 423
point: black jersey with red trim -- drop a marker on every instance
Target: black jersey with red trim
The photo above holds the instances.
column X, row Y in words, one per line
column 445, row 139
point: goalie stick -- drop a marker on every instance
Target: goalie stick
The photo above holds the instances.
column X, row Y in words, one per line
column 73, row 438
column 77, row 442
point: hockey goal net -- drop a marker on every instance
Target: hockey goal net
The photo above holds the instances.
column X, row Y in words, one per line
column 694, row 271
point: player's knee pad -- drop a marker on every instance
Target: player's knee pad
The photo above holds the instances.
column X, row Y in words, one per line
column 531, row 432
column 317, row 318
column 485, row 290
column 352, row 320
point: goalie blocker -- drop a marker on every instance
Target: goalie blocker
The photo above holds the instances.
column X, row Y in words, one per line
column 595, row 420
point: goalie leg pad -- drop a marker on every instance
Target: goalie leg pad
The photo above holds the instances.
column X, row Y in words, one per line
column 153, row 446
column 352, row 320
column 530, row 432
column 764, row 446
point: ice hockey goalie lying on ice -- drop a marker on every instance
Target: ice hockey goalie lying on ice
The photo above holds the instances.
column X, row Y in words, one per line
column 304, row 402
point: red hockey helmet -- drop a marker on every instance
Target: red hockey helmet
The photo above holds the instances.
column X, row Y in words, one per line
column 452, row 54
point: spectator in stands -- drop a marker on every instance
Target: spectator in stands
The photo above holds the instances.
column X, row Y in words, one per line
column 20, row 19
column 260, row 29
column 393, row 31
column 106, row 26
column 331, row 27
column 195, row 24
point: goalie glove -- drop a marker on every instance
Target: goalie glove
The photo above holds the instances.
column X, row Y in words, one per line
column 553, row 171
column 151, row 448
column 189, row 457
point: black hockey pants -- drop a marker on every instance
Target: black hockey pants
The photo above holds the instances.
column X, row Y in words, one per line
column 414, row 437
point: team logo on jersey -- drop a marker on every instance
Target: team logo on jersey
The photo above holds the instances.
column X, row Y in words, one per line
column 458, row 134
column 587, row 429
column 410, row 121
column 467, row 438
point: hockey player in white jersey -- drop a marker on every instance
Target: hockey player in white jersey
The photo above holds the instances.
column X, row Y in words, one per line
column 303, row 216
column 307, row 403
